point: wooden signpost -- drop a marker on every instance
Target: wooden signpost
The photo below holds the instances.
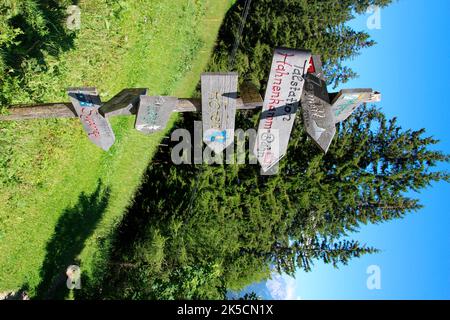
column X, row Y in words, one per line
column 86, row 103
column 122, row 103
column 154, row 113
column 317, row 115
column 250, row 94
column 296, row 76
column 283, row 93
column 219, row 94
column 348, row 100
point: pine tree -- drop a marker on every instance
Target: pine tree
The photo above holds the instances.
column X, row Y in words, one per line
column 329, row 252
column 231, row 225
column 318, row 25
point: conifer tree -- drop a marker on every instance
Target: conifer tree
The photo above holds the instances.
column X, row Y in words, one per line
column 229, row 224
column 318, row 25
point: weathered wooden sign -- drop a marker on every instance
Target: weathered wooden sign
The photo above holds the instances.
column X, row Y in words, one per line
column 316, row 109
column 283, row 93
column 86, row 103
column 154, row 113
column 348, row 100
column 122, row 103
column 219, row 94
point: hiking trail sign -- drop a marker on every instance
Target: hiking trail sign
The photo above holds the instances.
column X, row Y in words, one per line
column 219, row 94
column 296, row 79
column 86, row 103
column 281, row 101
column 154, row 113
column 317, row 114
column 348, row 100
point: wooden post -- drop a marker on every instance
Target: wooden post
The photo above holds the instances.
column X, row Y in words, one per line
column 66, row 110
column 250, row 96
column 40, row 111
column 122, row 103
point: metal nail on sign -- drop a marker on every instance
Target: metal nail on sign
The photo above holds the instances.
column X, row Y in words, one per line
column 86, row 103
column 154, row 113
column 317, row 115
column 123, row 102
column 348, row 100
column 283, row 93
column 219, row 94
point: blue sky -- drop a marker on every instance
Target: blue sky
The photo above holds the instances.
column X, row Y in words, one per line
column 409, row 65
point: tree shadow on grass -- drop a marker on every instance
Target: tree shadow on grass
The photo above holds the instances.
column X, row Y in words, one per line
column 75, row 225
column 34, row 30
column 153, row 206
column 154, row 201
column 159, row 199
column 43, row 29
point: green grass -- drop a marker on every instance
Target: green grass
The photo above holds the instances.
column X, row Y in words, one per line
column 61, row 196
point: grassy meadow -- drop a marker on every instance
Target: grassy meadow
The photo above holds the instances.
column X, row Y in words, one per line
column 61, row 196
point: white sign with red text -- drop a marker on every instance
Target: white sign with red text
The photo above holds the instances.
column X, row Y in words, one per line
column 86, row 103
column 281, row 102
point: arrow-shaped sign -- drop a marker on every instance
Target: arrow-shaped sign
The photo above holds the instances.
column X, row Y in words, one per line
column 283, row 93
column 317, row 115
column 86, row 103
column 154, row 113
column 348, row 100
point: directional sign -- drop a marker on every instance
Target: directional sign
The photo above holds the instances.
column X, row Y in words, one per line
column 283, row 93
column 219, row 94
column 86, row 103
column 154, row 113
column 122, row 103
column 347, row 100
column 317, row 115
